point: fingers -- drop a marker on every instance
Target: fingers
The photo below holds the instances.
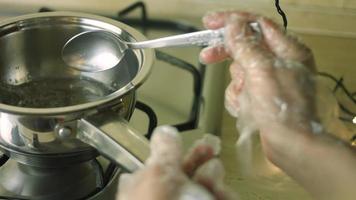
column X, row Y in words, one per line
column 234, row 89
column 257, row 63
column 232, row 104
column 211, row 141
column 211, row 176
column 203, row 150
column 207, row 171
column 166, row 147
column 197, row 157
column 244, row 46
column 213, row 54
column 282, row 45
column 262, row 61
column 213, row 169
column 215, row 20
column 162, row 176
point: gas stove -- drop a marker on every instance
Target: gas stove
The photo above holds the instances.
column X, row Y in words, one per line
column 180, row 92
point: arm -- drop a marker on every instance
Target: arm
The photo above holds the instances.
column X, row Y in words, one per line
column 321, row 163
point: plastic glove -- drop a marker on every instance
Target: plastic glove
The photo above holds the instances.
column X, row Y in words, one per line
column 272, row 86
column 167, row 176
column 273, row 91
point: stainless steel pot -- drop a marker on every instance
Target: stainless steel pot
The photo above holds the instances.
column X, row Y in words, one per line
column 52, row 114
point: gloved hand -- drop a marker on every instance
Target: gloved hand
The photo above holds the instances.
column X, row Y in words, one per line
column 272, row 87
column 167, row 176
column 273, row 91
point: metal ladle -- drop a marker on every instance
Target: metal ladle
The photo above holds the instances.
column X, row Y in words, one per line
column 98, row 50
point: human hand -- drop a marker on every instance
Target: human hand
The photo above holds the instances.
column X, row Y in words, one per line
column 273, row 91
column 272, row 88
column 276, row 72
column 167, row 175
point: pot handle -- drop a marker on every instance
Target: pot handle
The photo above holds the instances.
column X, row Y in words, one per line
column 114, row 139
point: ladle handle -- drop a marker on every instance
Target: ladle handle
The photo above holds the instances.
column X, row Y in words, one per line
column 199, row 38
column 114, row 139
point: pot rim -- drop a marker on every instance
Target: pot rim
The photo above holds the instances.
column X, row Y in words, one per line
column 147, row 59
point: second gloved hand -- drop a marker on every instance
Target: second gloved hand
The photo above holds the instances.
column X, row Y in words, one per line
column 169, row 176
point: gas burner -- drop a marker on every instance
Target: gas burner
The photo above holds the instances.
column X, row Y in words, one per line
column 75, row 181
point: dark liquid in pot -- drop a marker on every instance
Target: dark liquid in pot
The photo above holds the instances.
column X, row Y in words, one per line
column 50, row 93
